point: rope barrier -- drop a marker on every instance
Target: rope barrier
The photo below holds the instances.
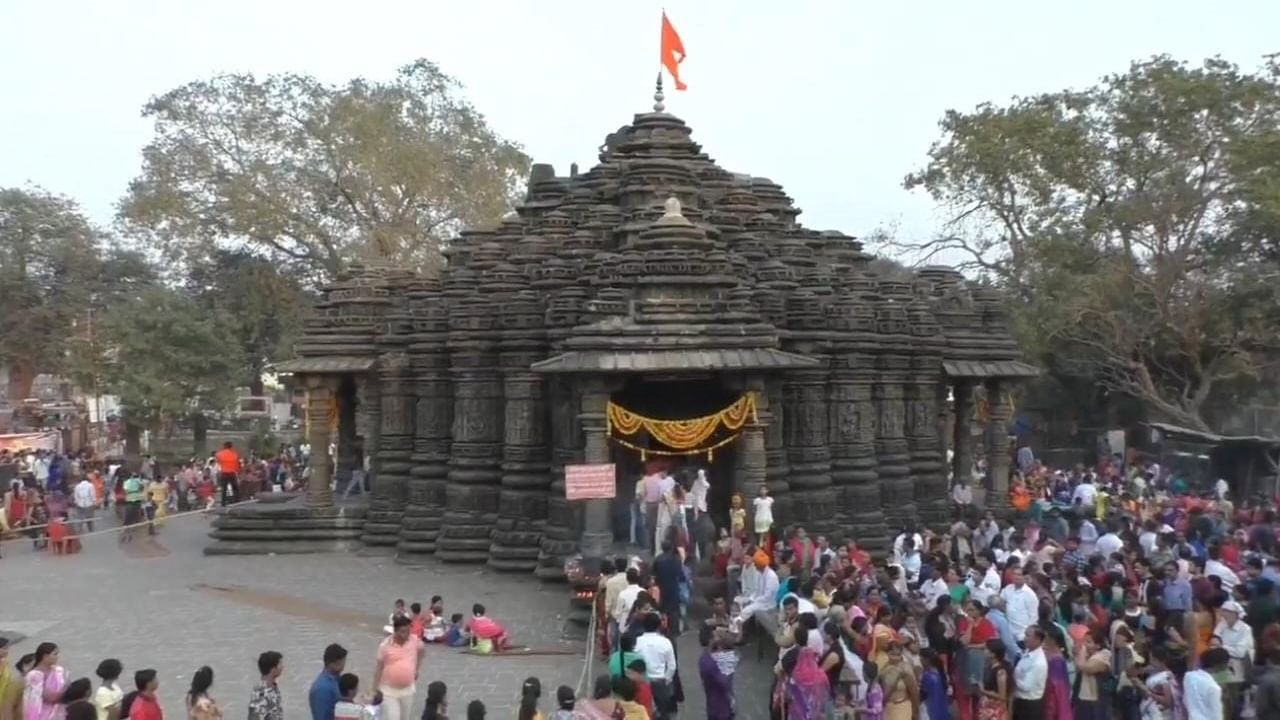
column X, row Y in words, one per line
column 587, row 660
column 108, row 531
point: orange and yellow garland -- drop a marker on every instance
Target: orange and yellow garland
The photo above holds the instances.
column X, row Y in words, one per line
column 684, row 437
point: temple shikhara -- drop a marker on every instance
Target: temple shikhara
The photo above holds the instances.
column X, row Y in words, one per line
column 655, row 307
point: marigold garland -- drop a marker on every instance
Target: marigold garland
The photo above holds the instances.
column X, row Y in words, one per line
column 683, row 434
column 646, row 452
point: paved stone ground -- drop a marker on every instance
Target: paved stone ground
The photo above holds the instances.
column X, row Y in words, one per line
column 162, row 604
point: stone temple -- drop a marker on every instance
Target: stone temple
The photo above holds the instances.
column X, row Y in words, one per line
column 662, row 283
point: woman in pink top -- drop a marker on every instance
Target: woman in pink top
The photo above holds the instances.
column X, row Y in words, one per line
column 396, row 673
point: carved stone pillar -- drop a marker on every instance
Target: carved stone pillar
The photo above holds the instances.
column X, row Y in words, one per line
column 962, row 443
column 775, row 442
column 433, row 421
column 394, row 450
column 998, row 445
column 597, row 535
column 812, row 499
column 751, row 459
column 560, row 536
column 320, row 396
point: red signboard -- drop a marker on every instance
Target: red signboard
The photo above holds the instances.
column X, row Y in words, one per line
column 590, row 482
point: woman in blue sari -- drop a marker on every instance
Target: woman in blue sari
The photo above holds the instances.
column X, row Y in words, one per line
column 933, row 687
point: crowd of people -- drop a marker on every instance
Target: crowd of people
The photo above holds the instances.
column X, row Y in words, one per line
column 1111, row 592
column 51, row 498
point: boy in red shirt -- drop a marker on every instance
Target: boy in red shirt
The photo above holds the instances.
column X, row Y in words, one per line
column 145, row 706
column 636, row 671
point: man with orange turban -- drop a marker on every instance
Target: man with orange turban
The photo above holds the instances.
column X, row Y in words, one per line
column 758, row 593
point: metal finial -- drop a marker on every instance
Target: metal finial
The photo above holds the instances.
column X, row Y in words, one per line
column 658, row 96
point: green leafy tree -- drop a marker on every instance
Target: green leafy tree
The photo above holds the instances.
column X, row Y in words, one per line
column 169, row 357
column 313, row 175
column 264, row 306
column 1129, row 222
column 56, row 270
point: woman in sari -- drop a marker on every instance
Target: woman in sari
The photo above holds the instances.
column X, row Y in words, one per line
column 882, row 636
column 43, row 685
column 933, row 687
column 1057, row 688
column 997, row 684
column 808, row 691
column 901, row 691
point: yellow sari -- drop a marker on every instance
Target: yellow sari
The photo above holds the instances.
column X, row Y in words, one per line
column 10, row 694
column 898, row 680
column 881, row 636
column 159, row 492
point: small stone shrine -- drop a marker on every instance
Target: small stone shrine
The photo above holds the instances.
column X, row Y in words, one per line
column 655, row 307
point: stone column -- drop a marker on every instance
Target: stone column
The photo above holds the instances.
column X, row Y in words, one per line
column 320, row 394
column 393, row 450
column 752, row 458
column 962, row 459
column 597, row 535
column 998, row 445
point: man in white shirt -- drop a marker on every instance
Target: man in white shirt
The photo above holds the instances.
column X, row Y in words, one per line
column 1201, row 694
column 1029, row 677
column 659, row 663
column 762, row 598
column 626, row 598
column 932, row 590
column 1215, row 566
column 1021, row 605
column 1085, row 493
column 613, row 585
column 984, row 581
column 698, row 493
column 899, row 542
column 86, row 500
column 987, row 531
column 910, row 561
column 40, row 468
column 962, row 496
column 1109, row 544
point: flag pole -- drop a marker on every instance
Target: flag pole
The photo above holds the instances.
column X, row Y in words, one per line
column 658, row 97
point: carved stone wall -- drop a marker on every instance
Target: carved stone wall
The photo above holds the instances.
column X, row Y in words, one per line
column 893, row 364
column 433, row 421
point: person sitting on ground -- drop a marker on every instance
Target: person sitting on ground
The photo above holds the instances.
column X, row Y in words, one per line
column 435, row 628
column 456, row 635
column 486, row 634
column 417, row 622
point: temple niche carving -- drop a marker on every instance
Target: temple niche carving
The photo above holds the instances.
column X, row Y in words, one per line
column 656, row 276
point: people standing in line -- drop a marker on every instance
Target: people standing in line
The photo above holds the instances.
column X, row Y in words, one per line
column 108, row 696
column 396, row 672
column 325, row 693
column 659, row 657
column 437, row 707
column 43, row 685
column 997, row 684
column 10, row 685
column 716, row 668
column 85, row 499
column 530, row 693
column 143, row 704
column 265, row 702
column 1201, row 693
column 200, row 705
column 228, row 461
column 1030, row 677
column 134, row 495
column 1021, row 604
column 349, row 706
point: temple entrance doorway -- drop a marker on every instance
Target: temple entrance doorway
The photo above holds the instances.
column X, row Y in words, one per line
column 672, row 398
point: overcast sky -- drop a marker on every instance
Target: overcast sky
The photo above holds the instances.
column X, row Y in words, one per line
column 834, row 100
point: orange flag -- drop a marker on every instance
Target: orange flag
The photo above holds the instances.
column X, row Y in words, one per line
column 672, row 51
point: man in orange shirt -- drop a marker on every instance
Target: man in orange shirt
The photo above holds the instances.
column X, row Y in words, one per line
column 228, row 472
